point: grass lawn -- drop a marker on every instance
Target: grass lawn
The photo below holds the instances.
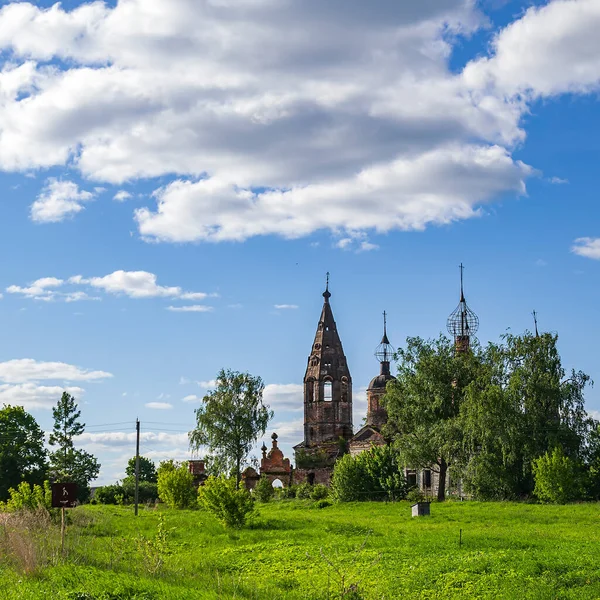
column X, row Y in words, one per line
column 293, row 551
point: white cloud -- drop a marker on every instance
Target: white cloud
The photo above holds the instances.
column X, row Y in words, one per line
column 121, row 196
column 588, row 247
column 32, row 396
column 134, row 284
column 595, row 414
column 286, row 306
column 551, row 49
column 301, row 99
column 28, row 369
column 191, row 308
column 208, row 384
column 558, row 181
column 116, row 439
column 159, row 405
column 284, row 396
column 58, row 200
column 191, row 398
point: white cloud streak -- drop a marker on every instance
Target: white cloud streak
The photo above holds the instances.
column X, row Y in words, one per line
column 587, row 247
column 27, row 369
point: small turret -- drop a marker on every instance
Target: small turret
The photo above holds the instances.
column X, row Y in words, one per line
column 463, row 322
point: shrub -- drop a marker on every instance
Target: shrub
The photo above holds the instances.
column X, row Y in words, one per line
column 289, row 492
column 27, row 497
column 322, row 503
column 557, row 478
column 415, row 495
column 319, row 492
column 230, row 505
column 303, row 491
column 108, row 494
column 264, row 491
column 375, row 474
column 147, row 490
column 176, row 485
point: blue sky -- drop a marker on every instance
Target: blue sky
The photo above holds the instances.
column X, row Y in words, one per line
column 177, row 177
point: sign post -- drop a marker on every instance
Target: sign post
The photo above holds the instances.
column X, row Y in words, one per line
column 64, row 495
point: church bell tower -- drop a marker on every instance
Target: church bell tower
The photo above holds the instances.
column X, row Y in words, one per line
column 327, row 387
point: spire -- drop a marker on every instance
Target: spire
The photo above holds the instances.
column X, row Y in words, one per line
column 385, row 351
column 326, row 293
column 534, row 313
column 463, row 322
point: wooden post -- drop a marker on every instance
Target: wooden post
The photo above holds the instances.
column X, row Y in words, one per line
column 62, row 531
column 137, row 464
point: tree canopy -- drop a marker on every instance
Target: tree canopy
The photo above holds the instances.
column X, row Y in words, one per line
column 68, row 463
column 147, row 469
column 231, row 418
column 22, row 452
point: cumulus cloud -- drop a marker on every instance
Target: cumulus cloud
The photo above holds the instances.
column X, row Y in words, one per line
column 28, row 369
column 208, row 384
column 58, row 200
column 284, row 396
column 159, row 405
column 121, row 196
column 32, row 395
column 134, row 284
column 588, row 247
column 191, row 398
column 286, row 306
column 317, row 104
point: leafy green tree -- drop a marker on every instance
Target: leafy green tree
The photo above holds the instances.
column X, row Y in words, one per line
column 68, row 463
column 176, row 485
column 520, row 405
column 424, row 401
column 229, row 504
column 147, row 469
column 231, row 418
column 29, row 497
column 557, row 478
column 22, row 453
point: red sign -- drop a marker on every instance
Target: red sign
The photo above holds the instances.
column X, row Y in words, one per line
column 64, row 495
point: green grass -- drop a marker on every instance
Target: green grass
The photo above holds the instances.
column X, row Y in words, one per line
column 508, row 551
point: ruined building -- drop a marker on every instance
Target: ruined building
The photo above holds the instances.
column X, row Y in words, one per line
column 327, row 402
column 328, row 431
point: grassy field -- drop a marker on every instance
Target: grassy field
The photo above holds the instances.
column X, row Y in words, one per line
column 373, row 550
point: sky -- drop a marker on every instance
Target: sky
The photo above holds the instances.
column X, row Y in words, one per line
column 176, row 178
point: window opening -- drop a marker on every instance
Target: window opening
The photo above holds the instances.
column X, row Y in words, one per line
column 427, row 478
column 327, row 391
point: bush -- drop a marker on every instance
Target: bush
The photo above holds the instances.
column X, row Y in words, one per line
column 303, row 491
column 557, row 478
column 415, row 495
column 230, row 505
column 108, row 494
column 322, row 503
column 288, row 493
column 319, row 492
column 176, row 485
column 264, row 491
column 27, row 497
column 375, row 474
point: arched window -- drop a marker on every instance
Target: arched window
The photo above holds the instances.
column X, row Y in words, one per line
column 327, row 391
column 277, row 483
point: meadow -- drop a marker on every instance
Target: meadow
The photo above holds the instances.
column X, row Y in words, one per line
column 294, row 550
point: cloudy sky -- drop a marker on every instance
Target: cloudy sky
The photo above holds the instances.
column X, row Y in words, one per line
column 177, row 177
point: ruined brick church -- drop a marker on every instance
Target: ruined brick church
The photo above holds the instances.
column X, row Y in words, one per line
column 328, row 429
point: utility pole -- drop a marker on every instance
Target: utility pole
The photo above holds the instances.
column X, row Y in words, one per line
column 137, row 463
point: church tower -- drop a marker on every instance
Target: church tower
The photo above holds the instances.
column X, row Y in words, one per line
column 376, row 413
column 327, row 387
column 463, row 322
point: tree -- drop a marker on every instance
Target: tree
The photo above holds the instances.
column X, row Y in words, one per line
column 67, row 463
column 176, row 484
column 147, row 469
column 22, row 453
column 231, row 418
column 521, row 405
column 423, row 403
column 557, row 478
